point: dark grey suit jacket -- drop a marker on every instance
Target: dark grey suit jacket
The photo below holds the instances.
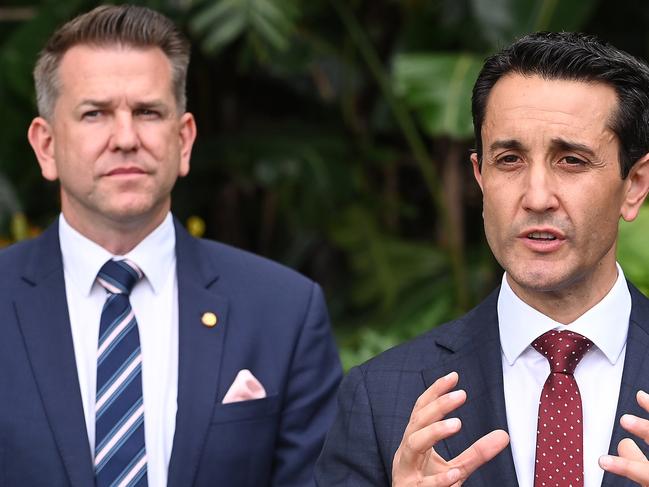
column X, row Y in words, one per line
column 376, row 399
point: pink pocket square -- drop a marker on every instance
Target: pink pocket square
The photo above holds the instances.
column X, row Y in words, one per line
column 244, row 388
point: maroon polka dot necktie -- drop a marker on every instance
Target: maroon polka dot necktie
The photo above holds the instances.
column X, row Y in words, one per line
column 559, row 438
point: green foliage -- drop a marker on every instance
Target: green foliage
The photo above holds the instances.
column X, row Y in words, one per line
column 266, row 23
column 633, row 250
column 503, row 20
column 333, row 136
column 386, row 266
column 437, row 87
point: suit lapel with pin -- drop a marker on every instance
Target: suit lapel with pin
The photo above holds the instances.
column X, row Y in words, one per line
column 51, row 354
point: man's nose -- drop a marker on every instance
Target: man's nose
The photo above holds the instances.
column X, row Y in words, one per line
column 540, row 192
column 124, row 136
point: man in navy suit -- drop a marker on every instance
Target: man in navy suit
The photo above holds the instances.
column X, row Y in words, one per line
column 562, row 132
column 236, row 365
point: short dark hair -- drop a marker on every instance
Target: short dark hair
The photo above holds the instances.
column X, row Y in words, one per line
column 121, row 25
column 577, row 57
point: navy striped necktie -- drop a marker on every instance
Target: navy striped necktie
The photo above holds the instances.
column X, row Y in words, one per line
column 120, row 454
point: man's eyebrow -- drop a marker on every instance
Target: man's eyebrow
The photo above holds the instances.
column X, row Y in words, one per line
column 157, row 105
column 151, row 104
column 557, row 143
column 94, row 103
column 568, row 146
column 510, row 144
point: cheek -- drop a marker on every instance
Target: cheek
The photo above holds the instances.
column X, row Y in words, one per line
column 80, row 149
column 160, row 144
column 494, row 227
column 497, row 205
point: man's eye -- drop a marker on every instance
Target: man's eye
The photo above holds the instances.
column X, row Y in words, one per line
column 91, row 114
column 573, row 161
column 146, row 113
column 508, row 159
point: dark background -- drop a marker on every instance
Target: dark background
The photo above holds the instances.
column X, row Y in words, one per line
column 333, row 136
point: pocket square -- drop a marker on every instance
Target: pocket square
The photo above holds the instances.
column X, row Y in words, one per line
column 244, row 388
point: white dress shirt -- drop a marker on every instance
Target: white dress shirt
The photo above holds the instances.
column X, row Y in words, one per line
column 598, row 375
column 155, row 302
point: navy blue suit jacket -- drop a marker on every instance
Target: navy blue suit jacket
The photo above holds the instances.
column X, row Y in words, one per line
column 271, row 320
column 376, row 399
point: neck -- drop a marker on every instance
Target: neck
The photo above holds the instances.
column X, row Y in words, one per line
column 118, row 238
column 566, row 304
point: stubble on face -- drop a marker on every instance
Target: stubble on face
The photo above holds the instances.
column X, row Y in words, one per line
column 552, row 190
column 119, row 143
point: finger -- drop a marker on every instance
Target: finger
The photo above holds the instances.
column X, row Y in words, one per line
column 627, row 448
column 423, row 413
column 635, row 425
column 424, row 439
column 635, row 470
column 426, row 428
column 435, row 410
column 643, row 400
column 439, row 387
column 444, row 479
column 483, row 450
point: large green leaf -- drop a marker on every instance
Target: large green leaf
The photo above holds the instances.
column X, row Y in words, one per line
column 633, row 249
column 437, row 87
column 501, row 21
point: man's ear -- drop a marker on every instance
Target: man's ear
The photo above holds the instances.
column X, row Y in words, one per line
column 637, row 187
column 187, row 138
column 476, row 169
column 41, row 139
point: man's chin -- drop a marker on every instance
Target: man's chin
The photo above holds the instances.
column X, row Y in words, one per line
column 141, row 214
column 538, row 281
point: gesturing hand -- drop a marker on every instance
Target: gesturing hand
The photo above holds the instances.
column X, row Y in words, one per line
column 631, row 462
column 417, row 464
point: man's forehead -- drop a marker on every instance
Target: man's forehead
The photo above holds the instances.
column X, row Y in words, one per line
column 98, row 50
column 89, row 63
column 518, row 102
column 522, row 90
column 106, row 76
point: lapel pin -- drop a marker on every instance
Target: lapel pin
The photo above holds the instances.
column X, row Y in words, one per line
column 209, row 319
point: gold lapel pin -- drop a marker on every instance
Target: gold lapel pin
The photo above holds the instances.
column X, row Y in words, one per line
column 209, row 319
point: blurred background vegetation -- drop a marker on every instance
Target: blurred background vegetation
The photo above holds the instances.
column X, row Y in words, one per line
column 334, row 137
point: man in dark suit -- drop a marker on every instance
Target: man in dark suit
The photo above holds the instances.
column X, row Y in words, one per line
column 546, row 376
column 131, row 352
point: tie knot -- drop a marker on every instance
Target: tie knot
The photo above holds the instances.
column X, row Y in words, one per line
column 119, row 276
column 563, row 349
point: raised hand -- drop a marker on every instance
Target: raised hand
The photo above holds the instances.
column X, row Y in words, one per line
column 417, row 464
column 631, row 462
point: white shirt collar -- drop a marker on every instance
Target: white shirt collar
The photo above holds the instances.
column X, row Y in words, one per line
column 606, row 324
column 82, row 258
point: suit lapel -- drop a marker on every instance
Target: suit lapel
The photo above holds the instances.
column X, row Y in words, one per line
column 200, row 353
column 634, row 377
column 44, row 321
column 480, row 371
column 476, row 356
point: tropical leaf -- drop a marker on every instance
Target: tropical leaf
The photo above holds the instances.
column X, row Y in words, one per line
column 438, row 88
column 221, row 22
column 633, row 249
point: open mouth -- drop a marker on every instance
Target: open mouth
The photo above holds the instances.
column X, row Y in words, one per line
column 544, row 236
